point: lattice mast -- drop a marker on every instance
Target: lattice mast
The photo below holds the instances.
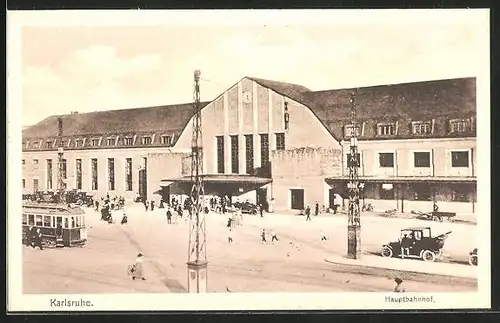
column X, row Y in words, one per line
column 61, row 185
column 354, row 224
column 197, row 255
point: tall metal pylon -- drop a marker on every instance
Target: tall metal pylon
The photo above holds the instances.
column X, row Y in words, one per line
column 353, row 163
column 197, row 254
column 61, row 185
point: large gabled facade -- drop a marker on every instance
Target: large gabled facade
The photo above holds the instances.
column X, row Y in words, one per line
column 294, row 137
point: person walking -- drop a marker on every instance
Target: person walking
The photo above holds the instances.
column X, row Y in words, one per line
column 316, row 209
column 169, row 215
column 124, row 218
column 263, row 236
column 308, row 213
column 38, row 240
column 230, row 236
column 274, row 236
column 152, row 206
column 137, row 270
column 399, row 288
column 146, row 205
column 261, row 210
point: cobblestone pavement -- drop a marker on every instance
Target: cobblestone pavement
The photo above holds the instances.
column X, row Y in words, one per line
column 293, row 264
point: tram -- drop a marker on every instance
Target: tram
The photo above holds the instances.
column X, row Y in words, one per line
column 60, row 225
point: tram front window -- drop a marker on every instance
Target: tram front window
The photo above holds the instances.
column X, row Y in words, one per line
column 31, row 219
column 47, row 221
column 66, row 223
column 38, row 220
column 25, row 219
column 78, row 221
column 72, row 221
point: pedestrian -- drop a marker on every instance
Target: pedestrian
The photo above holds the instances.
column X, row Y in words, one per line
column 230, row 236
column 124, row 218
column 399, row 288
column 137, row 270
column 97, row 205
column 169, row 215
column 316, row 209
column 179, row 211
column 38, row 240
column 323, row 237
column 308, row 213
column 263, row 236
column 261, row 210
column 274, row 236
column 31, row 237
column 152, row 205
column 435, row 207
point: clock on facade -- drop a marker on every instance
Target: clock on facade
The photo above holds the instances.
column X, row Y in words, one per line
column 247, row 97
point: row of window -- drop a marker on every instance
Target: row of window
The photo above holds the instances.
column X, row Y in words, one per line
column 423, row 192
column 249, row 162
column 417, row 128
column 77, row 221
column 165, row 140
column 94, row 174
column 423, row 159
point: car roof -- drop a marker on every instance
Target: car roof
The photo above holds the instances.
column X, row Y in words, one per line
column 415, row 228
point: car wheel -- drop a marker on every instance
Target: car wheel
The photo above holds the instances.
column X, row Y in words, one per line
column 386, row 252
column 473, row 260
column 429, row 256
column 435, row 218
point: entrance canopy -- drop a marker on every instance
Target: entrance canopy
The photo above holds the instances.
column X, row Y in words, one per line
column 404, row 179
column 219, row 184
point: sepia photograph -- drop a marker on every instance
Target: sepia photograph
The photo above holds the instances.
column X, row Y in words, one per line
column 291, row 159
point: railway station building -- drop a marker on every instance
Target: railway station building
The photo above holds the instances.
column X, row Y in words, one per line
column 275, row 143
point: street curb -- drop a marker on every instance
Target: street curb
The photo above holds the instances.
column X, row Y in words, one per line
column 403, row 274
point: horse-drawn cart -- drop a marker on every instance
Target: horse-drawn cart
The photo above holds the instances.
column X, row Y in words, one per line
column 436, row 216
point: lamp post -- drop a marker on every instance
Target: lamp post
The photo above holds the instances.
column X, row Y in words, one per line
column 354, row 226
column 197, row 254
column 60, row 163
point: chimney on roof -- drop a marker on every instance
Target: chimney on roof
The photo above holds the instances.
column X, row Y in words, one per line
column 60, row 127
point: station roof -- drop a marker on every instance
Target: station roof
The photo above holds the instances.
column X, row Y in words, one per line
column 168, row 119
column 220, row 183
column 436, row 100
column 223, row 179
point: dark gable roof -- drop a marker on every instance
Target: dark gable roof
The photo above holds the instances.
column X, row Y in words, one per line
column 441, row 100
column 293, row 91
column 168, row 119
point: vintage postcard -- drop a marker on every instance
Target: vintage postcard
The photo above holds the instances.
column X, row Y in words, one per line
column 248, row 160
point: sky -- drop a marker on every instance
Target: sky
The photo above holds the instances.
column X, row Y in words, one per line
column 89, row 68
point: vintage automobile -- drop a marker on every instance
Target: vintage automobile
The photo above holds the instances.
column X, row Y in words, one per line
column 59, row 224
column 80, row 198
column 421, row 244
column 246, row 207
column 473, row 257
